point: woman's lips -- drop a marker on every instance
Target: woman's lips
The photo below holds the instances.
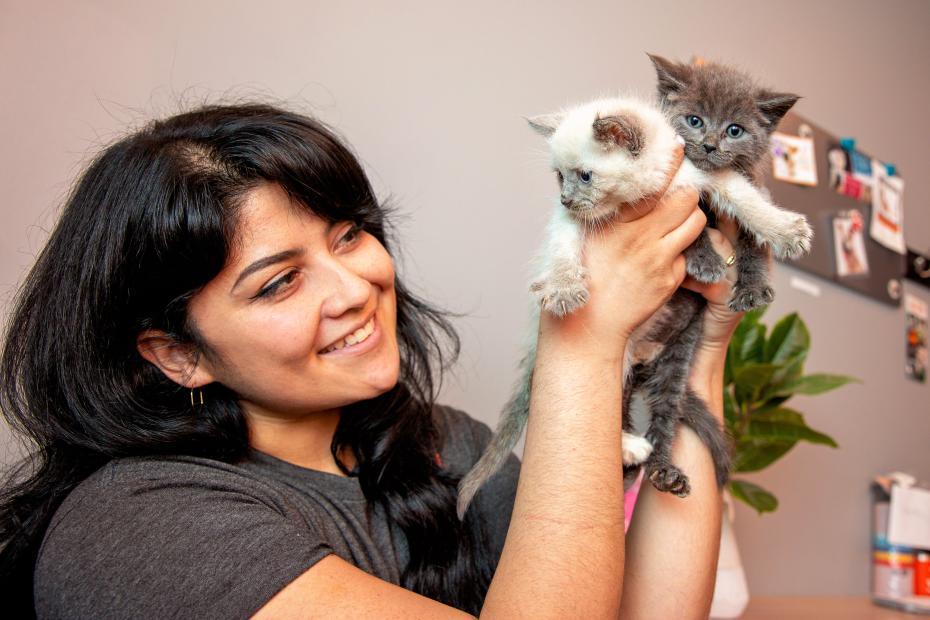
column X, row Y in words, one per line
column 367, row 343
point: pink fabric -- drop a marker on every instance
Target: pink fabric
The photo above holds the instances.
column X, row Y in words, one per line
column 629, row 500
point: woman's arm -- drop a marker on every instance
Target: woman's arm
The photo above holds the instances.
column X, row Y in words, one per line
column 673, row 543
column 563, row 556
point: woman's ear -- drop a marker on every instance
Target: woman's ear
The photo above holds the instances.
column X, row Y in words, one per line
column 179, row 362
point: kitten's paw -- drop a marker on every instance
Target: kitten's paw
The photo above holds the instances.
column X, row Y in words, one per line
column 563, row 292
column 636, row 449
column 748, row 297
column 796, row 240
column 670, row 479
column 706, row 267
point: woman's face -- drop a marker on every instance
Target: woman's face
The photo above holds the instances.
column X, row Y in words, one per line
column 281, row 318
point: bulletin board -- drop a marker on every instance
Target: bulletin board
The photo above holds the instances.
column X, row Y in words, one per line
column 876, row 270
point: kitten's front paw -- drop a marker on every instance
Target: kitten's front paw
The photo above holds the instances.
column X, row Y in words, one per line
column 746, row 298
column 670, row 479
column 706, row 267
column 563, row 292
column 636, row 449
column 796, row 241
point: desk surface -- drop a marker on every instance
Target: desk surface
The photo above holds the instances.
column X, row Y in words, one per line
column 821, row 608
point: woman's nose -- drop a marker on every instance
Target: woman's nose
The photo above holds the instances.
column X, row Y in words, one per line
column 348, row 290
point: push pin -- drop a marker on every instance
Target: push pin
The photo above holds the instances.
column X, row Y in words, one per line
column 848, row 144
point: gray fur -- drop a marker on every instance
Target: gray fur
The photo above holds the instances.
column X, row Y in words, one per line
column 720, row 96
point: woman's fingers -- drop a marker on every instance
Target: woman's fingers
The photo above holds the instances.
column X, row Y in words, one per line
column 723, row 246
column 688, row 228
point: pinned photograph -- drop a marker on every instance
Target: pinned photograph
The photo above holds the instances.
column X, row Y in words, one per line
column 915, row 317
column 849, row 244
column 888, row 209
column 793, row 159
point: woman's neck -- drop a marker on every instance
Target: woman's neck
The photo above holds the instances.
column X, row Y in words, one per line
column 301, row 440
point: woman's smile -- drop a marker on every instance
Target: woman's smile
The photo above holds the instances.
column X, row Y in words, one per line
column 357, row 342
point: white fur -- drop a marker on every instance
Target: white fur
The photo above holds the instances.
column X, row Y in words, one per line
column 559, row 283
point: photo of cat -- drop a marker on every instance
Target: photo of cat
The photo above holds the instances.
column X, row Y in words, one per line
column 609, row 153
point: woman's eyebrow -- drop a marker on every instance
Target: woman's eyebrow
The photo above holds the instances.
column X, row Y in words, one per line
column 265, row 262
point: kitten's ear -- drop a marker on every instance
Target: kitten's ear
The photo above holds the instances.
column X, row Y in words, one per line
column 673, row 76
column 774, row 105
column 620, row 131
column 545, row 124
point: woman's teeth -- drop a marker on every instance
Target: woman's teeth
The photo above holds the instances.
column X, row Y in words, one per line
column 355, row 337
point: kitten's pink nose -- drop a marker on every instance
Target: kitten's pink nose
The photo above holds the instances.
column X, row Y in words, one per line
column 709, row 148
column 566, row 201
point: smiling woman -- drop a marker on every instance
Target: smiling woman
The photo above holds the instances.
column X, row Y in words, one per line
column 231, row 397
column 237, row 251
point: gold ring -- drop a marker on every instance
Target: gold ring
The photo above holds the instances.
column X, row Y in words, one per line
column 731, row 259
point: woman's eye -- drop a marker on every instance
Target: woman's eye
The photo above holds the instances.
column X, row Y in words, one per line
column 585, row 176
column 734, row 131
column 352, row 234
column 695, row 121
column 280, row 284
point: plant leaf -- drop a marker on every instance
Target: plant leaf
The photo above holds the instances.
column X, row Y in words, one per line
column 754, row 495
column 753, row 345
column 729, row 409
column 789, row 339
column 784, row 431
column 749, row 381
column 752, row 456
column 789, row 372
column 815, row 384
column 752, row 317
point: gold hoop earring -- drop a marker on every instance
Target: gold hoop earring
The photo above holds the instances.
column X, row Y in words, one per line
column 194, row 402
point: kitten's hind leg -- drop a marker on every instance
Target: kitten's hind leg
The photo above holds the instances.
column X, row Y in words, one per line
column 753, row 288
column 664, row 386
column 702, row 261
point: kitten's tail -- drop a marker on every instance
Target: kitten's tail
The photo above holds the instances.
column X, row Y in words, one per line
column 696, row 415
column 509, row 428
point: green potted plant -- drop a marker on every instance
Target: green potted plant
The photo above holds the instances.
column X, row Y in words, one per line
column 763, row 371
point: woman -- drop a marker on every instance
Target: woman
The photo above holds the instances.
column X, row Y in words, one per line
column 232, row 400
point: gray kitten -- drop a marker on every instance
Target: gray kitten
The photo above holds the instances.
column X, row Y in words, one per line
column 610, row 153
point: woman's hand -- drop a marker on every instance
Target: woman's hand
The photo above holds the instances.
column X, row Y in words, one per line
column 634, row 264
column 719, row 320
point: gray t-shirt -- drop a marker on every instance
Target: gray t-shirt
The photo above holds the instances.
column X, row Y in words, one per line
column 187, row 537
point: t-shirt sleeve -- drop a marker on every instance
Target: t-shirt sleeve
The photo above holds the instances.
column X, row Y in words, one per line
column 465, row 441
column 171, row 539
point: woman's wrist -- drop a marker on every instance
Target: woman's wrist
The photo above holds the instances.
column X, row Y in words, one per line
column 572, row 336
column 708, row 364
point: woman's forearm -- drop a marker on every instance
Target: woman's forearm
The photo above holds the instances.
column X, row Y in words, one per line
column 673, row 543
column 566, row 532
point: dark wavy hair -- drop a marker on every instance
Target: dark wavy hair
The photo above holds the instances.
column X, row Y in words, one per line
column 148, row 224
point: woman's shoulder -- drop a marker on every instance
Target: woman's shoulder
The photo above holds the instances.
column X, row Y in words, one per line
column 135, row 478
column 146, row 529
column 463, row 438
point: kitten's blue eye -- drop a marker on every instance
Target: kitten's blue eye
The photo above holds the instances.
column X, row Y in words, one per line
column 695, row 121
column 585, row 176
column 734, row 131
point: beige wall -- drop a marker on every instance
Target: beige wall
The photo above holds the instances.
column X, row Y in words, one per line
column 432, row 96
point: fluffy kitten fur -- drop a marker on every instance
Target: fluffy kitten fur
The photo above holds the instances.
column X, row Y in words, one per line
column 612, row 152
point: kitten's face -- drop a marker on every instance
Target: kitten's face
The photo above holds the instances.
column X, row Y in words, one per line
column 584, row 159
column 724, row 118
